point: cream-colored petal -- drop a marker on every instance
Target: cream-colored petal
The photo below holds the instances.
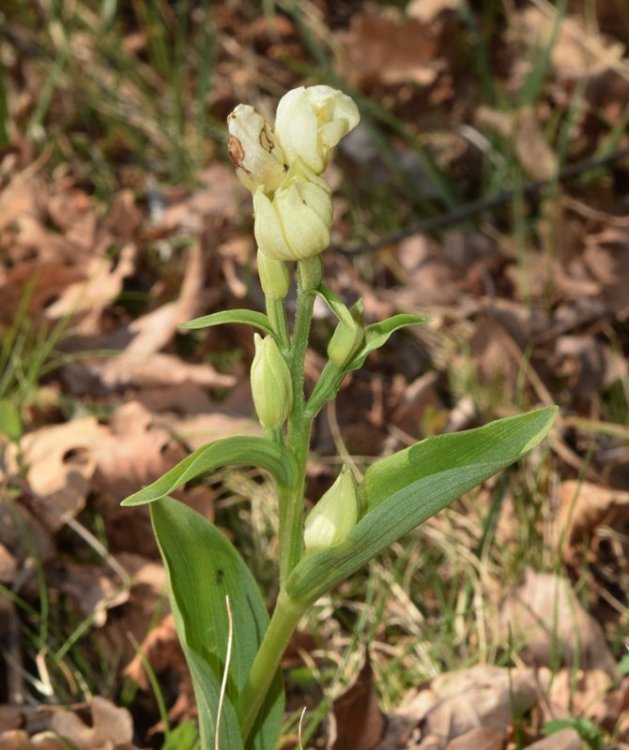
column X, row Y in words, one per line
column 333, row 105
column 311, row 121
column 254, row 150
column 332, row 132
column 305, row 232
column 297, row 129
column 268, row 229
column 316, row 193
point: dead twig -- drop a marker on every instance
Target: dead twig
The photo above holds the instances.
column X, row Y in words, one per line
column 469, row 210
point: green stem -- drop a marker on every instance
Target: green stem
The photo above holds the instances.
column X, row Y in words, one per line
column 291, row 501
column 325, row 390
column 276, row 313
column 284, row 621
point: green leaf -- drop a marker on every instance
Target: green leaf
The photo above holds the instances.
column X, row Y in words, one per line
column 184, row 737
column 377, row 334
column 207, row 693
column 623, row 665
column 336, row 305
column 403, row 490
column 248, row 317
column 247, row 451
column 203, row 569
column 497, row 444
column 587, row 730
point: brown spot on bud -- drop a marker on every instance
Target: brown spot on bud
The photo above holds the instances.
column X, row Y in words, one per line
column 265, row 141
column 236, row 151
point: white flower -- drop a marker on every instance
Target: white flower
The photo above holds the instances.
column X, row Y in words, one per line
column 292, row 204
column 311, row 121
column 254, row 150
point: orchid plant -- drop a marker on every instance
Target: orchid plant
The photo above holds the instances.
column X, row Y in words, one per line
column 232, row 648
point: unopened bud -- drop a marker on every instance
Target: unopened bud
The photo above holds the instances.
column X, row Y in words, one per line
column 274, row 276
column 270, row 383
column 335, row 515
column 294, row 224
column 254, row 150
column 346, row 339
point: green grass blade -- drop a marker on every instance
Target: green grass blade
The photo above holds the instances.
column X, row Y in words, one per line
column 530, row 90
column 4, row 110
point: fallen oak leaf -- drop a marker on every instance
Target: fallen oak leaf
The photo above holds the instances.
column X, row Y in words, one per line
column 458, row 702
column 592, row 695
column 162, row 650
column 135, row 618
column 543, row 619
column 565, row 739
column 10, row 716
column 60, row 468
column 480, row 738
column 17, row 739
column 577, row 52
column 68, row 461
column 359, row 720
column 140, row 362
column 132, row 451
column 111, row 726
column 151, row 332
column 93, row 588
column 88, row 298
column 584, row 507
column 38, row 282
column 141, row 371
column 383, row 49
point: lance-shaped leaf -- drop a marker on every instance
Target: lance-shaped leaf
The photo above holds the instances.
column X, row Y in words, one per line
column 247, row 317
column 242, row 450
column 336, row 305
column 203, row 568
column 377, row 334
column 403, row 490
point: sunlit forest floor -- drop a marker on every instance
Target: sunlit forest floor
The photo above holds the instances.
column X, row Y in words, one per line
column 487, row 186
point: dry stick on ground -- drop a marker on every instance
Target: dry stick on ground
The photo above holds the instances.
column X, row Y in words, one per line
column 469, row 210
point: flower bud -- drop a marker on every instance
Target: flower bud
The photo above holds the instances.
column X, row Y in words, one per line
column 270, row 383
column 311, row 121
column 335, row 515
column 254, row 150
column 274, row 276
column 347, row 339
column 295, row 222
